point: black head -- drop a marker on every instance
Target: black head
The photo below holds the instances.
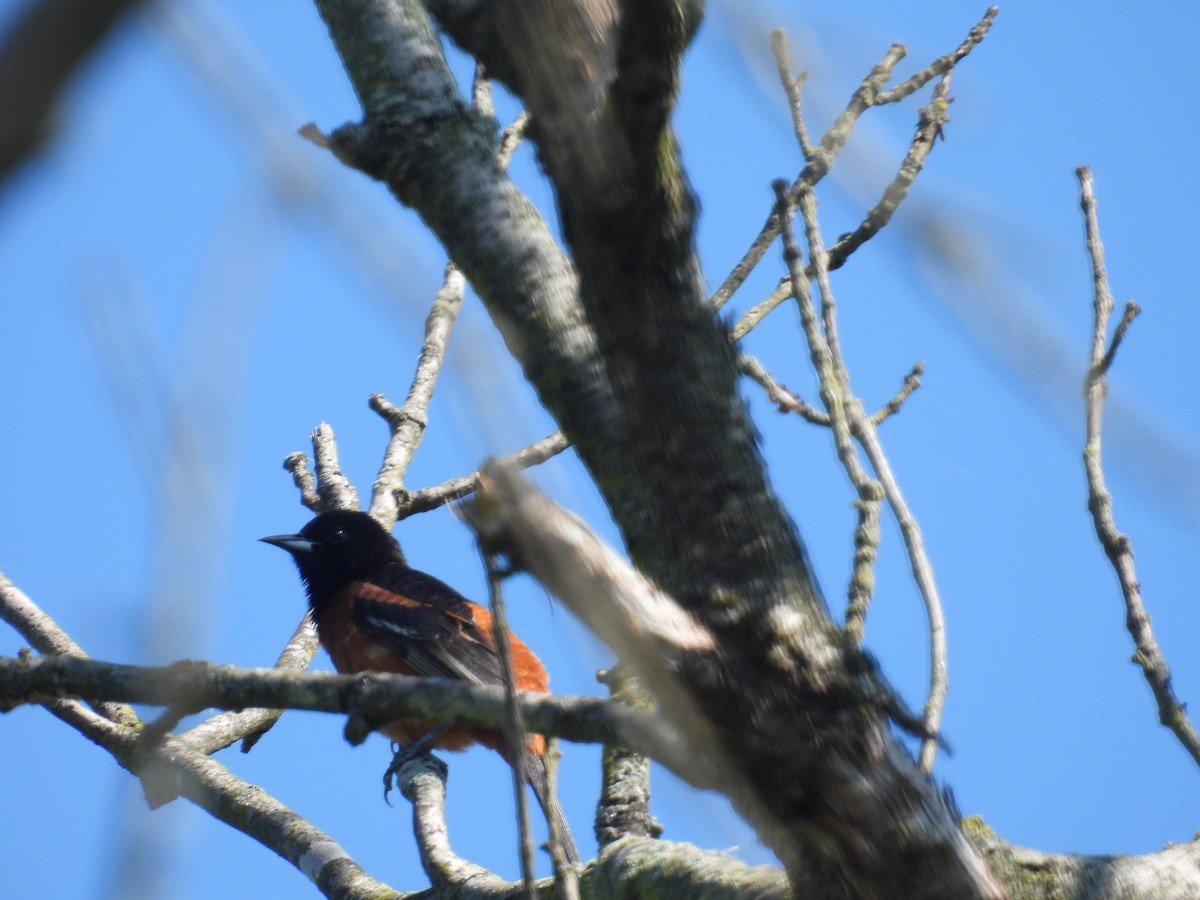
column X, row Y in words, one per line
column 336, row 548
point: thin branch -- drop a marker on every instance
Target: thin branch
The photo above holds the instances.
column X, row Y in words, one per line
column 303, row 478
column 566, row 863
column 943, row 64
column 912, row 381
column 1131, row 312
column 515, row 737
column 516, row 740
column 1117, row 546
column 931, row 124
column 868, row 438
column 793, row 86
column 837, row 397
column 407, row 422
column 777, row 393
column 456, row 488
column 755, row 314
column 250, row 725
column 333, row 488
column 752, row 368
column 47, row 637
column 820, row 160
column 511, row 137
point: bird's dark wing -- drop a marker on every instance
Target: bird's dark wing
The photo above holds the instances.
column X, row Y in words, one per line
column 427, row 623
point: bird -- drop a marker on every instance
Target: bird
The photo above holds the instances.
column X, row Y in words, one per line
column 375, row 613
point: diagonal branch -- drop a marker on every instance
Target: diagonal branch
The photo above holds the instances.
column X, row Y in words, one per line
column 456, row 488
column 820, row 159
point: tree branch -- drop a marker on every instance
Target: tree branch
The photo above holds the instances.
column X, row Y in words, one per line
column 456, row 488
column 1117, row 546
column 249, row 725
column 407, row 422
column 656, row 380
column 820, row 159
column 515, row 735
column 837, row 397
column 193, row 685
column 422, row 781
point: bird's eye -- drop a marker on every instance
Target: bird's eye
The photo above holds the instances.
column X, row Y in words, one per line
column 338, row 535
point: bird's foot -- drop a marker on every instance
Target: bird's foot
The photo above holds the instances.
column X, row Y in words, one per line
column 404, row 752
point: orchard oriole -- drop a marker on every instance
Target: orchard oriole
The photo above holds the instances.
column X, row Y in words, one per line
column 374, row 613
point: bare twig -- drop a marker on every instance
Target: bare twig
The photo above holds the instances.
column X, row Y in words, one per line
column 407, row 422
column 303, row 478
column 249, row 725
column 777, row 393
column 922, row 569
column 793, row 86
column 912, row 381
column 755, row 314
column 457, row 488
column 1117, row 546
column 334, row 489
column 514, row 728
column 849, row 419
column 516, row 740
column 942, row 64
column 820, row 159
column 931, row 122
column 836, row 396
column 933, row 118
column 49, row 638
column 511, row 137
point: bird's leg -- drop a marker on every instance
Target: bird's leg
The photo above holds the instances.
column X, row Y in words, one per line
column 404, row 752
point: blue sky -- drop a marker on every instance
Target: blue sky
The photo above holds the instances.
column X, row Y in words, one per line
column 146, row 263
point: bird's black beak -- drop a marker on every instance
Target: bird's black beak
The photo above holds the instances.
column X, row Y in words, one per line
column 294, row 544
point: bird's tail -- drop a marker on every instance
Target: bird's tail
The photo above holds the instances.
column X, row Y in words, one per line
column 536, row 775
